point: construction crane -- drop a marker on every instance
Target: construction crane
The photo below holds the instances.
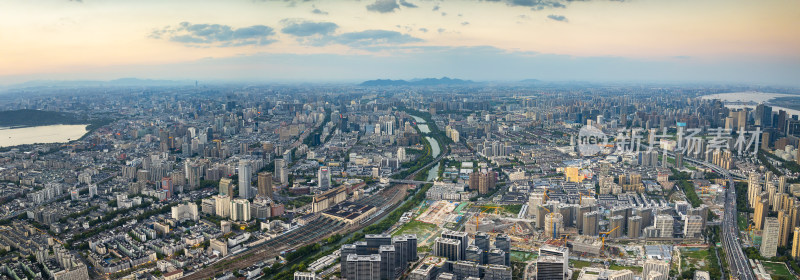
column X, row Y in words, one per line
column 477, row 216
column 552, row 223
column 603, row 236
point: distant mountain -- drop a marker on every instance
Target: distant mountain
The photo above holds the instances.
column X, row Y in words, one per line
column 530, row 81
column 445, row 81
column 27, row 117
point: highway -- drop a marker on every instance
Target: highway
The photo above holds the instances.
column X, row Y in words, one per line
column 738, row 263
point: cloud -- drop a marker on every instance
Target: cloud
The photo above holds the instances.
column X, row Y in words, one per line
column 318, row 11
column 441, row 30
column 541, row 4
column 383, row 6
column 558, row 18
column 423, row 29
column 215, row 35
column 374, row 37
column 436, row 8
column 406, row 4
column 465, row 23
column 307, row 28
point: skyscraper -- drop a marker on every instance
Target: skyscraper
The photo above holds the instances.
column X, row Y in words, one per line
column 245, row 174
column 770, row 238
column 280, row 171
column 265, row 184
column 664, row 224
column 590, row 223
column 785, row 228
column 225, row 187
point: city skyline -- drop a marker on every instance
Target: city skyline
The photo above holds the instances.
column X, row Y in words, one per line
column 352, row 41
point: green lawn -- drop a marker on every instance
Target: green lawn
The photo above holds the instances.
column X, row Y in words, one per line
column 742, row 221
column 637, row 269
column 697, row 259
column 778, row 269
column 422, row 230
column 580, row 264
column 520, row 256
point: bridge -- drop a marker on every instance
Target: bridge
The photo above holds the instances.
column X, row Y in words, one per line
column 413, row 182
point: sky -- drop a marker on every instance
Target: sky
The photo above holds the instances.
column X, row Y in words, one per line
column 720, row 41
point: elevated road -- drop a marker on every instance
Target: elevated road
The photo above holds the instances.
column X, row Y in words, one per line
column 738, row 264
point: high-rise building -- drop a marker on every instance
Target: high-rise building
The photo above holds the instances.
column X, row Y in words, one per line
column 617, row 225
column 553, row 224
column 770, row 238
column 245, row 177
column 324, row 178
column 463, row 239
column 590, row 223
column 503, row 242
column 693, row 226
column 166, row 185
column 655, row 270
column 447, row 248
column 363, row 267
column 226, row 187
column 496, row 256
column 762, row 208
column 664, row 224
column 796, row 244
column 240, row 209
column 474, row 181
column 222, row 205
column 280, row 171
column 634, row 226
column 551, row 268
column 388, row 261
column 265, row 184
column 785, row 229
column 475, row 254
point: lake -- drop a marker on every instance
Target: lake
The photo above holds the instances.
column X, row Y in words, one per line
column 41, row 134
column 752, row 96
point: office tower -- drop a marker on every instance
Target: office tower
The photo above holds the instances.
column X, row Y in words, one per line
column 796, row 244
column 590, row 223
column 324, row 178
column 240, row 209
column 760, row 213
column 503, row 242
column 483, row 243
column 562, row 253
column 345, row 251
column 474, row 254
column 550, row 268
column 634, row 226
column 447, row 248
column 245, row 174
column 363, row 267
column 664, row 224
column 496, row 256
column 655, row 270
column 226, row 187
column 388, row 262
column 494, row 272
column 753, row 189
column 693, row 226
column 785, row 228
column 769, row 240
column 280, row 171
column 466, row 269
column 463, row 239
column 553, row 225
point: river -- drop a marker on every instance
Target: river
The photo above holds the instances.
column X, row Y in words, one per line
column 433, row 173
column 41, row 134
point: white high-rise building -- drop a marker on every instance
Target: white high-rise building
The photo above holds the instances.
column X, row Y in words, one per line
column 245, row 176
column 240, row 210
column 324, row 178
column 770, row 238
column 222, row 205
column 401, row 154
column 664, row 224
column 655, row 270
column 280, row 171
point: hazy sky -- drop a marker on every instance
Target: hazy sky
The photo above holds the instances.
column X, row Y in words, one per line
column 753, row 41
